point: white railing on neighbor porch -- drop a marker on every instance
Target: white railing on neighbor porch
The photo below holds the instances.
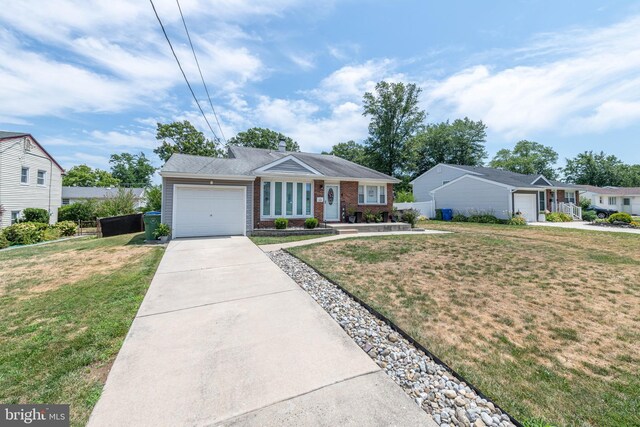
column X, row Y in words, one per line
column 425, row 208
column 571, row 209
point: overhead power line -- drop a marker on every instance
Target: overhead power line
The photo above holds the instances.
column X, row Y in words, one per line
column 182, row 71
column 200, row 71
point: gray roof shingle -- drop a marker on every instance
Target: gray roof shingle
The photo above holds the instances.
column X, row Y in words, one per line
column 95, row 192
column 245, row 161
column 4, row 134
column 510, row 178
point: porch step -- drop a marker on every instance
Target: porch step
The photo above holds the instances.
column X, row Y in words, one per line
column 370, row 227
column 347, row 231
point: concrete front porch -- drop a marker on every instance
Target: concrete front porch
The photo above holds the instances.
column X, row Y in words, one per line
column 377, row 227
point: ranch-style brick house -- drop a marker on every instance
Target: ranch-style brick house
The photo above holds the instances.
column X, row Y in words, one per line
column 207, row 196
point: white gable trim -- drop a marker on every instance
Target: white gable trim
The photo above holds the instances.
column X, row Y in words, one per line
column 268, row 166
column 446, row 166
column 498, row 184
column 543, row 177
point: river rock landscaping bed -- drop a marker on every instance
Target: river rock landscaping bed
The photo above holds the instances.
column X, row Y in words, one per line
column 449, row 401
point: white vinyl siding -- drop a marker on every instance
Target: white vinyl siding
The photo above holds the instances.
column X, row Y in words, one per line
column 372, row 194
column 288, row 199
column 468, row 195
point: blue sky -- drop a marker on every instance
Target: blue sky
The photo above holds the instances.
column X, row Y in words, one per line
column 91, row 78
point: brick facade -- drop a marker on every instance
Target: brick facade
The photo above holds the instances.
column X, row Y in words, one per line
column 348, row 198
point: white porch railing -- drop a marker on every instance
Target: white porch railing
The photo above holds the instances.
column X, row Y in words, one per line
column 571, row 209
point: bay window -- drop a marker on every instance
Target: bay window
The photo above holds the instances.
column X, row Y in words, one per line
column 286, row 199
column 372, row 194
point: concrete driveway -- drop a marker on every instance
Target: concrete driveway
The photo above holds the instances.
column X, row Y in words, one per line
column 225, row 337
column 582, row 225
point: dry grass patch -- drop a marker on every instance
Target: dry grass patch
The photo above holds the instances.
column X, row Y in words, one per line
column 532, row 316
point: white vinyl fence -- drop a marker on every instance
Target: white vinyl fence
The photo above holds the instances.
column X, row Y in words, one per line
column 425, row 208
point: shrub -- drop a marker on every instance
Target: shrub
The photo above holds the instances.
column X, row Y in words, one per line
column 281, row 223
column 4, row 243
column 67, row 228
column 84, row 210
column 123, row 203
column 161, row 231
column 517, row 220
column 404, row 197
column 410, row 216
column 51, row 233
column 154, row 198
column 484, row 219
column 311, row 223
column 620, row 217
column 589, row 215
column 559, row 217
column 585, row 203
column 459, row 218
column 635, row 224
column 369, row 216
column 24, row 233
column 35, row 215
column 439, row 214
column 565, row 217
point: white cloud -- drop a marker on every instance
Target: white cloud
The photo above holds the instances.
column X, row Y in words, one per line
column 582, row 81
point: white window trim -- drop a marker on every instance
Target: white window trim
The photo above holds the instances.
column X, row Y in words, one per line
column 272, row 199
column 365, row 203
column 44, row 178
column 566, row 194
column 17, row 217
column 615, row 201
column 28, row 175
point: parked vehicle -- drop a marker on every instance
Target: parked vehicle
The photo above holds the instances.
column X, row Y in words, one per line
column 601, row 212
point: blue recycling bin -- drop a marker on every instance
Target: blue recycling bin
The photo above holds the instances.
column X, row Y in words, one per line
column 447, row 214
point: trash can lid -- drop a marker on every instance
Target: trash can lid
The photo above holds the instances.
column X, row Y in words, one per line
column 152, row 213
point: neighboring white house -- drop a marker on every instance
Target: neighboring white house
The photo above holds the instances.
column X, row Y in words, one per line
column 29, row 177
column 470, row 189
column 621, row 199
column 76, row 194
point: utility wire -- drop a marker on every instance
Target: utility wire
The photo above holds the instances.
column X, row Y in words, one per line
column 181, row 70
column 200, row 71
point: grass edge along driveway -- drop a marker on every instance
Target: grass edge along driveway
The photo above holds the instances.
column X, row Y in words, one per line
column 544, row 321
column 65, row 309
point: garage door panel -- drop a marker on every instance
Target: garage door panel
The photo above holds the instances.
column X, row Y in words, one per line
column 209, row 211
column 527, row 205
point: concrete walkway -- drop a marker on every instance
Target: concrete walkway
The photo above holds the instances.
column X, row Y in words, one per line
column 278, row 246
column 224, row 337
column 582, row 225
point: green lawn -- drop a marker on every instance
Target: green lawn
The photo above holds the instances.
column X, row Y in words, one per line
column 545, row 321
column 270, row 240
column 65, row 309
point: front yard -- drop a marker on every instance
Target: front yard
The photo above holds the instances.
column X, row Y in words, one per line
column 65, row 309
column 545, row 321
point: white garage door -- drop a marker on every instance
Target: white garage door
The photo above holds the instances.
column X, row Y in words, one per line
column 526, row 203
column 208, row 211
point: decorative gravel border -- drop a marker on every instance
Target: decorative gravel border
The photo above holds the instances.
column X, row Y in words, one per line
column 434, row 386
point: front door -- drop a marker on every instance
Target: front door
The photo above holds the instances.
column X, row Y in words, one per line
column 626, row 204
column 331, row 202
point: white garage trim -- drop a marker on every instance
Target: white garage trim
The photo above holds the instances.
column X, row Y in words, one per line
column 212, row 187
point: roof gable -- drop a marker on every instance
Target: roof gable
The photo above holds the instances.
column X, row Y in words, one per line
column 13, row 135
column 541, row 180
column 288, row 165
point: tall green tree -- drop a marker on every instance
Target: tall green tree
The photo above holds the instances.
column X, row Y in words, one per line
column 629, row 175
column 395, row 118
column 351, row 151
column 459, row 143
column 263, row 138
column 85, row 176
column 594, row 169
column 527, row 157
column 154, row 198
column 183, row 137
column 132, row 170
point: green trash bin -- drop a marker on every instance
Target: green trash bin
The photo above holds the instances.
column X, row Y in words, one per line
column 151, row 221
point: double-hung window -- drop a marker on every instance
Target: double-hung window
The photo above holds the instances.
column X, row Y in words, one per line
column 372, row 194
column 569, row 196
column 42, row 177
column 24, row 175
column 15, row 216
column 286, row 199
column 613, row 200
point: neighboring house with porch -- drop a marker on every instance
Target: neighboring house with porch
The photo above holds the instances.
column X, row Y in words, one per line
column 470, row 189
column 77, row 194
column 205, row 196
column 29, row 177
column 621, row 199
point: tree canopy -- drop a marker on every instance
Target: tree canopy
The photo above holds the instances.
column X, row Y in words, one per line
column 85, row 176
column 527, row 157
column 351, row 151
column 601, row 170
column 460, row 143
column 183, row 137
column 263, row 138
column 132, row 170
column 395, row 118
